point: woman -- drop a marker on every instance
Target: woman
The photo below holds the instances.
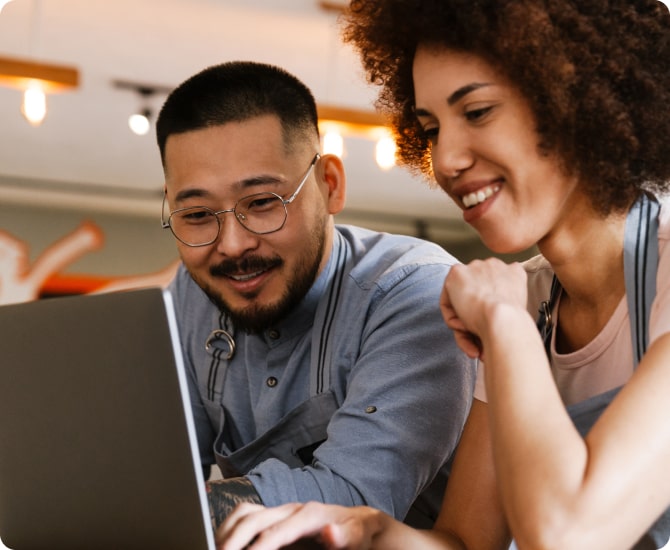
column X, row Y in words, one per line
column 548, row 123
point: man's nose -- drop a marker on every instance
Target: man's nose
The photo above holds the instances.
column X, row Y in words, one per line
column 234, row 239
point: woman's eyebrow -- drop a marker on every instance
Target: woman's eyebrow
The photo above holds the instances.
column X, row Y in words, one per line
column 454, row 97
column 465, row 90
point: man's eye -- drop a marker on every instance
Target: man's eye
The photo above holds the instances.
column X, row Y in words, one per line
column 196, row 216
column 263, row 203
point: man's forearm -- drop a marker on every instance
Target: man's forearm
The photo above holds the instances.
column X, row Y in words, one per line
column 225, row 494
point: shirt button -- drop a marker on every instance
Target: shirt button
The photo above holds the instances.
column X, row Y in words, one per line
column 271, row 382
column 370, row 409
column 274, row 334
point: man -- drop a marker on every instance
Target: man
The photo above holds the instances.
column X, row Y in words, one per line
column 319, row 364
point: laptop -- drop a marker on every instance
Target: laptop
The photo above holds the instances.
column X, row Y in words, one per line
column 97, row 442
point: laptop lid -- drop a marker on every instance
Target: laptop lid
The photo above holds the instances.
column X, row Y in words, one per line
column 97, row 442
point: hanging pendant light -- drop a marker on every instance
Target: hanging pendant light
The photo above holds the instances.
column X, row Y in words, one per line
column 34, row 78
column 337, row 123
column 34, row 105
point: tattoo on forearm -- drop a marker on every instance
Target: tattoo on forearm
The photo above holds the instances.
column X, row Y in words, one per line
column 225, row 494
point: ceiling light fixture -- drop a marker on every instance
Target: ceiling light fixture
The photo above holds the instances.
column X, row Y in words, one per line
column 140, row 121
column 36, row 80
column 333, row 142
column 385, row 151
column 338, row 6
column 335, row 123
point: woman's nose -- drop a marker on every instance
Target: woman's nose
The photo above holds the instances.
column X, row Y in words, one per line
column 451, row 154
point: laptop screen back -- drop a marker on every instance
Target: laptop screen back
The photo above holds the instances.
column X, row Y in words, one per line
column 97, row 444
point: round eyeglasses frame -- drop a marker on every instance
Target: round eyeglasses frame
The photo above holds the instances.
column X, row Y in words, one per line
column 165, row 224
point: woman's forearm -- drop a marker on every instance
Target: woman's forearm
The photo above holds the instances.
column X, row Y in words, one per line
column 540, row 457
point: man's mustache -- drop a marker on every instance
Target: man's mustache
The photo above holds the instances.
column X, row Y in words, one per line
column 249, row 264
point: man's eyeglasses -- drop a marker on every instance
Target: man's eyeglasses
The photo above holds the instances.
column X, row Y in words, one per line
column 259, row 213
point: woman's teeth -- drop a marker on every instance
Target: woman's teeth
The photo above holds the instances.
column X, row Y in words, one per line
column 480, row 196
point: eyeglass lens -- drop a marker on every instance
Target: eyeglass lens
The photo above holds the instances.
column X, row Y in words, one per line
column 259, row 213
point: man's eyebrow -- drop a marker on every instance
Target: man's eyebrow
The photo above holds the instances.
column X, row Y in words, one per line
column 240, row 186
column 465, row 90
column 264, row 179
column 189, row 193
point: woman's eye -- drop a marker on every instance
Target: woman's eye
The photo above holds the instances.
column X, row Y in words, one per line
column 431, row 134
column 474, row 115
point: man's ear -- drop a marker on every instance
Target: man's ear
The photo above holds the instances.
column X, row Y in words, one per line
column 331, row 172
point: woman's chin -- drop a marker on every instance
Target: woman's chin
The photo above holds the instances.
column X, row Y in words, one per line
column 505, row 244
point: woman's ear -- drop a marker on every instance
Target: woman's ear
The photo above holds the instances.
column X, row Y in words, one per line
column 331, row 172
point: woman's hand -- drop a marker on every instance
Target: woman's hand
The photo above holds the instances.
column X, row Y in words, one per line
column 470, row 294
column 329, row 526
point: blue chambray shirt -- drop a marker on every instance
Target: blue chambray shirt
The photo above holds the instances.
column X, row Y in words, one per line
column 401, row 386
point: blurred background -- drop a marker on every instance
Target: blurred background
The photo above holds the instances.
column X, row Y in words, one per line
column 78, row 161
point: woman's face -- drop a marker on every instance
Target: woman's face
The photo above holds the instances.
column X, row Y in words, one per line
column 485, row 151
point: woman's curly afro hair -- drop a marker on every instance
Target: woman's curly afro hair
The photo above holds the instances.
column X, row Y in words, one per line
column 596, row 74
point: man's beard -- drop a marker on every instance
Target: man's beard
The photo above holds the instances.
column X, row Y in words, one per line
column 256, row 317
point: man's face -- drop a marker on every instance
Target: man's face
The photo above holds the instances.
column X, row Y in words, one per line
column 256, row 279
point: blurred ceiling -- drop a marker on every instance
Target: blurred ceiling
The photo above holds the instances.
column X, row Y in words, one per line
column 84, row 156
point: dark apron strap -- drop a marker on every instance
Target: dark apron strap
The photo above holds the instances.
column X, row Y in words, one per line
column 221, row 346
column 640, row 263
column 322, row 336
column 296, row 436
column 545, row 322
column 292, row 440
column 640, row 257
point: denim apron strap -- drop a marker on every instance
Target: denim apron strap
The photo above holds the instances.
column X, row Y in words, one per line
column 640, row 262
column 322, row 336
column 640, row 257
column 545, row 322
column 640, row 267
column 292, row 440
column 295, row 437
column 220, row 345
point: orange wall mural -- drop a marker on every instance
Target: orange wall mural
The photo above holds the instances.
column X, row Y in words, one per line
column 22, row 280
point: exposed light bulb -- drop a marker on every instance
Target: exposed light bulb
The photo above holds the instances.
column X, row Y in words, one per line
column 3, row 3
column 34, row 105
column 385, row 153
column 333, row 144
column 139, row 123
